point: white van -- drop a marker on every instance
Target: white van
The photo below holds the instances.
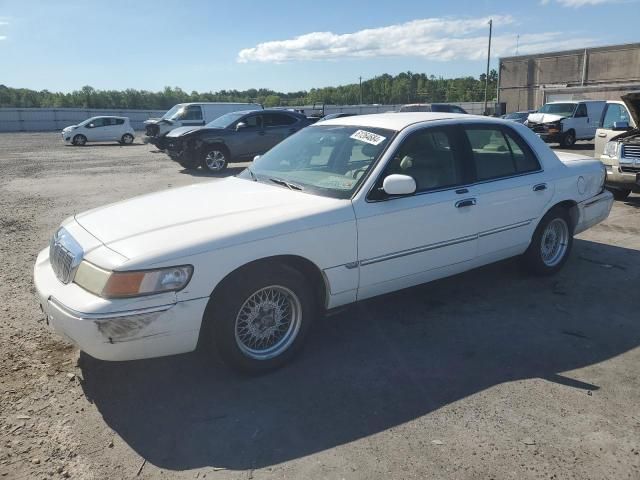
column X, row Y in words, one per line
column 190, row 115
column 567, row 121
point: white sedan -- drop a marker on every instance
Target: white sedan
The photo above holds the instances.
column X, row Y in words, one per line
column 100, row 129
column 341, row 211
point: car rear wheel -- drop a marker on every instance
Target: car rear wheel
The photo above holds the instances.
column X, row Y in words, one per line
column 215, row 158
column 568, row 139
column 551, row 243
column 79, row 140
column 620, row 194
column 261, row 319
column 127, row 139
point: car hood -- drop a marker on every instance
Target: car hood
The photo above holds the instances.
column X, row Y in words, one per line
column 177, row 132
column 544, row 117
column 69, row 128
column 632, row 101
column 194, row 219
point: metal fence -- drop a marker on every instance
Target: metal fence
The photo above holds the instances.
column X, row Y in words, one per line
column 47, row 119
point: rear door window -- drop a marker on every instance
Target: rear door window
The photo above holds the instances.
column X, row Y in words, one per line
column 278, row 119
column 499, row 152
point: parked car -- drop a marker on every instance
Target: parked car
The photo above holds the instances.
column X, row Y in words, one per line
column 337, row 115
column 519, row 117
column 566, row 122
column 431, row 107
column 189, row 115
column 235, row 136
column 614, row 116
column 621, row 154
column 100, row 129
column 341, row 211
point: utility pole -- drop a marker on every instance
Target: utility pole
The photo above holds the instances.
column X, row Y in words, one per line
column 486, row 80
column 517, row 43
column 360, row 90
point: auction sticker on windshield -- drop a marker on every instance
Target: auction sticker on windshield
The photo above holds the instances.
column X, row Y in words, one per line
column 368, row 137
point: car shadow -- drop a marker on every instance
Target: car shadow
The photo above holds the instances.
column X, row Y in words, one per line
column 576, row 146
column 633, row 201
column 381, row 363
column 109, row 144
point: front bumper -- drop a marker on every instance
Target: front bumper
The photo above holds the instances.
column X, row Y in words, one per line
column 593, row 211
column 116, row 330
column 621, row 176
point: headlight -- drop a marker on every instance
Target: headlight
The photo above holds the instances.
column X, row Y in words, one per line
column 108, row 284
column 611, row 149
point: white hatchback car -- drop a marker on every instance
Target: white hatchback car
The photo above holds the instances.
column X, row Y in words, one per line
column 341, row 211
column 100, row 129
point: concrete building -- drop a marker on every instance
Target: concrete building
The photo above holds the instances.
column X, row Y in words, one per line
column 601, row 73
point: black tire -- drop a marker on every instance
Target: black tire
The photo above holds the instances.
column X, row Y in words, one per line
column 620, row 194
column 568, row 139
column 225, row 311
column 533, row 258
column 214, row 158
column 79, row 140
column 127, row 139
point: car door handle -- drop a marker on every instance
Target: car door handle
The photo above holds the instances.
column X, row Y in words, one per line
column 602, row 134
column 540, row 187
column 467, row 202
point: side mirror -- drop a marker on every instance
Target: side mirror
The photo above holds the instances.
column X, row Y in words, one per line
column 256, row 158
column 620, row 126
column 399, row 185
column 240, row 125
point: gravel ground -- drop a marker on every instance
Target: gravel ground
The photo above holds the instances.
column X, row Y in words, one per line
column 489, row 374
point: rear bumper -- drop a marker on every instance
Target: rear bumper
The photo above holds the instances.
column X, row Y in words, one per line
column 593, row 211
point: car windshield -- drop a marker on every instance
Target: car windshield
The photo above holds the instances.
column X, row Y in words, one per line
column 562, row 109
column 175, row 111
column 225, row 120
column 324, row 160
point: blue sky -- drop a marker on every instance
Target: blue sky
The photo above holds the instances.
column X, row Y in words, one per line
column 286, row 45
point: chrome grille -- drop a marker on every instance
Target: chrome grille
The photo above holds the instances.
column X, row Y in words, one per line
column 630, row 151
column 65, row 254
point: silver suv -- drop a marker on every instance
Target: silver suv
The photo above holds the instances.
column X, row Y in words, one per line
column 621, row 155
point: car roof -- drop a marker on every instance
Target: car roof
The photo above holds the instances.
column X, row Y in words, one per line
column 395, row 120
column 109, row 116
column 575, row 101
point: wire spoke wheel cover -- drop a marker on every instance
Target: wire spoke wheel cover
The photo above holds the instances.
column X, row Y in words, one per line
column 268, row 322
column 215, row 160
column 554, row 242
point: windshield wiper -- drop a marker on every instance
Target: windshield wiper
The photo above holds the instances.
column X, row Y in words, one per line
column 290, row 186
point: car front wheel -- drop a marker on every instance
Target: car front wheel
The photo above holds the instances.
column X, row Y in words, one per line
column 568, row 139
column 261, row 319
column 79, row 140
column 551, row 243
column 215, row 159
column 127, row 139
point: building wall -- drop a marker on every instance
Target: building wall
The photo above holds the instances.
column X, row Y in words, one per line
column 602, row 73
column 46, row 119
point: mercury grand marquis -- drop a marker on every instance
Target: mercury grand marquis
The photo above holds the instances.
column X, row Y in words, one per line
column 339, row 212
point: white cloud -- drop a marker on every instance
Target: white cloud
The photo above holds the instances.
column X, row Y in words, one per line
column 3, row 37
column 431, row 38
